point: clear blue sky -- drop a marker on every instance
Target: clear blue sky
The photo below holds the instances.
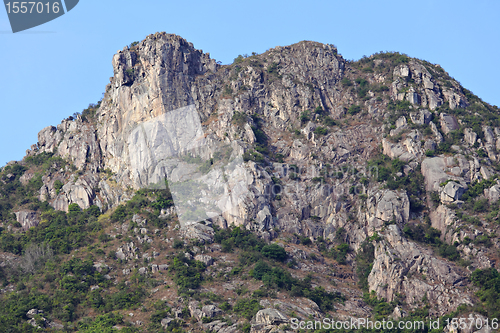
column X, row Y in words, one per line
column 54, row 70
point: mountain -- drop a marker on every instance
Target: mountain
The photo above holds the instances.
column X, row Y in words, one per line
column 197, row 196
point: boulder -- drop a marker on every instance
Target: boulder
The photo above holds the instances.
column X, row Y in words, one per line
column 165, row 322
column 267, row 321
column 386, row 206
column 452, row 191
column 26, row 177
column 207, row 260
column 218, row 326
column 397, row 150
column 454, row 99
column 303, row 307
column 308, row 130
column 165, row 213
column 433, row 171
column 422, row 117
column 127, row 251
column 493, row 193
column 194, row 310
column 211, row 311
column 430, row 145
column 80, row 192
column 201, row 232
column 448, row 123
column 489, row 136
column 398, row 313
column 100, row 266
column 33, row 312
column 433, row 99
column 27, row 219
column 413, row 97
column 439, row 138
column 470, row 136
column 441, row 219
column 401, row 122
column 270, row 317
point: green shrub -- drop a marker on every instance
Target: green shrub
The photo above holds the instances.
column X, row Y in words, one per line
column 449, row 251
column 339, row 253
column 58, row 185
column 320, row 131
column 119, row 214
column 187, row 276
column 247, row 308
column 305, row 116
column 178, row 244
column 305, row 240
column 346, row 82
column 103, row 323
column 364, row 262
column 381, row 308
column 353, row 109
column 488, row 281
column 481, row 205
column 253, row 156
column 483, row 240
column 260, row 136
column 274, row 251
column 225, row 306
column 477, row 188
column 273, row 69
column 237, row 237
column 239, row 118
column 238, row 59
column 74, row 208
column 329, row 121
column 435, row 198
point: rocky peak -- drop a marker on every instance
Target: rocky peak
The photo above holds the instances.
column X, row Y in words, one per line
column 164, row 54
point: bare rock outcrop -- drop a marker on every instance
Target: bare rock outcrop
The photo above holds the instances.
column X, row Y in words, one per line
column 28, row 219
column 206, row 259
column 267, row 321
column 448, row 123
column 493, row 193
column 402, row 266
column 442, row 218
column 386, row 207
column 452, row 191
column 198, row 231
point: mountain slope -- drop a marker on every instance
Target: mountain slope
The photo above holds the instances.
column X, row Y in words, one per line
column 374, row 176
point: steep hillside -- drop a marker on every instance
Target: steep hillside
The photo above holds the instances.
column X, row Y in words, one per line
column 290, row 184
